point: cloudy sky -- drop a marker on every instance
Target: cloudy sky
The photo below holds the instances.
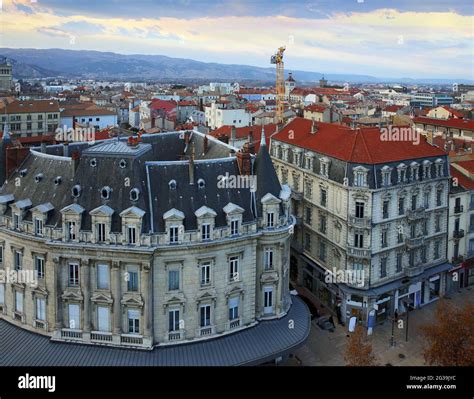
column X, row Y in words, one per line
column 384, row 38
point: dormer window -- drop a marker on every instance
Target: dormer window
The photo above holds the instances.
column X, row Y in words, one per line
column 172, row 184
column 386, row 176
column 123, row 164
column 134, row 194
column 76, row 191
column 324, row 166
column 439, row 167
column 402, row 173
column 16, row 221
column 360, row 176
column 270, row 219
column 93, row 163
column 57, row 180
column 71, row 232
column 105, row 192
column 426, row 169
column 308, row 164
column 234, row 227
column 23, row 172
column 201, row 183
column 131, row 235
column 39, row 227
column 39, row 177
column 414, row 167
column 206, row 231
column 174, row 234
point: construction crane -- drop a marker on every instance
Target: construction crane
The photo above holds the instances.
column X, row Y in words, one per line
column 277, row 59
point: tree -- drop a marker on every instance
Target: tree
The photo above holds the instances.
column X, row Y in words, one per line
column 450, row 338
column 359, row 349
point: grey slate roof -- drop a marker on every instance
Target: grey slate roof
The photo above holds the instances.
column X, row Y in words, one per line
column 255, row 345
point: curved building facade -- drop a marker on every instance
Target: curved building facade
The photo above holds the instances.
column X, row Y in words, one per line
column 175, row 237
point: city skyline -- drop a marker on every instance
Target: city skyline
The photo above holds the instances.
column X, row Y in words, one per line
column 383, row 39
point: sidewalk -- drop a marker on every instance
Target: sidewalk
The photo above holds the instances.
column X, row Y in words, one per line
column 324, row 348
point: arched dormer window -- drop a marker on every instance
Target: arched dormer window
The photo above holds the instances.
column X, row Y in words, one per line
column 439, row 167
column 360, row 176
column 426, row 169
column 324, row 166
column 402, row 173
column 414, row 171
column 386, row 172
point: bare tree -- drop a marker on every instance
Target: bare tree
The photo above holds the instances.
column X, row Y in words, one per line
column 359, row 349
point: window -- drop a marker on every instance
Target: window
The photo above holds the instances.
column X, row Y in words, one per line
column 100, row 232
column 268, row 297
column 308, row 189
column 307, row 241
column 206, row 231
column 414, row 201
column 1, row 254
column 385, row 208
column 384, row 239
column 73, row 274
column 2, row 293
column 16, row 221
column 437, row 223
column 268, row 261
column 359, row 209
column 133, row 321
column 437, row 245
column 308, row 215
column 173, row 317
column 205, row 315
column 131, row 235
column 18, row 260
column 324, row 167
column 205, row 273
column 132, row 282
column 234, row 308
column 270, row 219
column 103, row 277
column 174, row 234
column 426, row 199
column 234, row 227
column 71, row 230
column 39, row 267
column 40, row 309
column 323, row 196
column 359, row 240
column 411, row 258
column 323, row 224
column 19, row 301
column 386, row 177
column 401, row 206
column 439, row 197
column 38, row 227
column 322, row 250
column 74, row 316
column 400, row 234
column 423, row 254
column 412, row 230
column 40, row 125
column 234, row 268
column 103, row 318
column 399, row 263
column 357, row 266
column 173, row 280
column 28, row 126
column 383, row 267
column 402, row 173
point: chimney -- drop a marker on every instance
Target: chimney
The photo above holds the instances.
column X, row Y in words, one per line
column 233, row 135
column 66, row 149
column 429, row 137
column 206, row 144
column 75, row 161
column 191, row 166
column 314, row 127
column 251, row 144
column 243, row 160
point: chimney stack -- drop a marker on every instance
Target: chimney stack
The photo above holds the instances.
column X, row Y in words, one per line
column 206, row 144
column 191, row 166
column 233, row 135
column 314, row 127
column 251, row 144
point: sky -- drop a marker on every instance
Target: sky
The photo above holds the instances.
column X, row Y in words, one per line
column 383, row 38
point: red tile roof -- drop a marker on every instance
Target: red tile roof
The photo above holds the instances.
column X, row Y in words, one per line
column 453, row 111
column 452, row 122
column 243, row 132
column 315, row 108
column 463, row 181
column 30, row 106
column 359, row 146
column 393, row 108
column 468, row 165
column 167, row 106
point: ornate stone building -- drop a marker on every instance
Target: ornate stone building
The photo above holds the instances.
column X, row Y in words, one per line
column 373, row 213
column 145, row 243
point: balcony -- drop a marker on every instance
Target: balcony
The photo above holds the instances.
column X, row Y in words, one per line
column 175, row 336
column 205, row 331
column 359, row 252
column 362, row 223
column 456, row 260
column 100, row 336
column 415, row 214
column 413, row 271
column 412, row 243
column 131, row 339
column 457, row 234
column 234, row 324
column 67, row 333
column 458, row 208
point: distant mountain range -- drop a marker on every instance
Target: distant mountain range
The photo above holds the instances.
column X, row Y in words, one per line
column 38, row 63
